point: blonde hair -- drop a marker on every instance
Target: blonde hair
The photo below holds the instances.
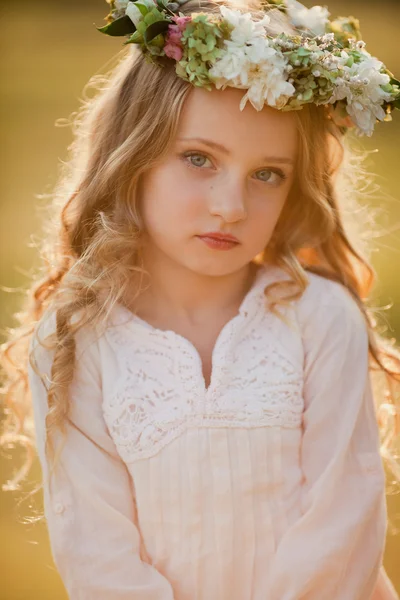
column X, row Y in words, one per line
column 91, row 250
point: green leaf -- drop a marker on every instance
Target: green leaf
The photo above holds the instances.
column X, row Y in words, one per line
column 122, row 26
column 142, row 7
column 162, row 4
column 303, row 51
column 163, row 7
column 136, row 38
column 160, row 16
column 394, row 81
column 153, row 16
column 142, row 27
column 387, row 87
column 155, row 29
column 210, row 41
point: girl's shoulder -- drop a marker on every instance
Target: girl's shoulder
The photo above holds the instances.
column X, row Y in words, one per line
column 42, row 341
column 324, row 292
column 320, row 295
column 327, row 304
column 319, row 289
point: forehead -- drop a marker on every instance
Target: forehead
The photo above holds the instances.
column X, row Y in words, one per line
column 215, row 115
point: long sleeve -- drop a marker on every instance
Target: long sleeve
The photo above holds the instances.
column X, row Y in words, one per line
column 335, row 549
column 89, row 506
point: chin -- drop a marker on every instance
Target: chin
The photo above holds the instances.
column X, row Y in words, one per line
column 215, row 267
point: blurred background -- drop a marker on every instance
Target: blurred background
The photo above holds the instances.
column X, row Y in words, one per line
column 49, row 51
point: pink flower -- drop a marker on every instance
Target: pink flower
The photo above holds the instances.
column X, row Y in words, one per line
column 173, row 51
column 174, row 35
column 181, row 22
column 173, row 47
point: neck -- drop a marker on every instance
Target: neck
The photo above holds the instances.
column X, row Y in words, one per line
column 189, row 296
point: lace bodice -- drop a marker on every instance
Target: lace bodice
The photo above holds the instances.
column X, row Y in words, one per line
column 161, row 391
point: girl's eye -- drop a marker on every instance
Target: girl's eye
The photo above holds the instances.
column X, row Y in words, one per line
column 195, row 159
column 198, row 160
column 270, row 176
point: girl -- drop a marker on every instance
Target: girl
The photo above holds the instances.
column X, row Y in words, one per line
column 200, row 351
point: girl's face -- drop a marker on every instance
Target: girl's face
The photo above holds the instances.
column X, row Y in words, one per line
column 227, row 171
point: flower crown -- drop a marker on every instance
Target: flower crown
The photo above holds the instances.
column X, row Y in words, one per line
column 324, row 63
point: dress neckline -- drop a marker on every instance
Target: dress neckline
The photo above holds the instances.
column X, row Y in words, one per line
column 250, row 310
column 243, row 310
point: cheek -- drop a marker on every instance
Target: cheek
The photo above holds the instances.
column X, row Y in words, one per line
column 170, row 203
column 266, row 211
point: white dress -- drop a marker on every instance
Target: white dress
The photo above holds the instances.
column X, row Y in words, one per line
column 267, row 485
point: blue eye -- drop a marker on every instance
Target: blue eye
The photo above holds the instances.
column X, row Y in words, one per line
column 267, row 175
column 195, row 159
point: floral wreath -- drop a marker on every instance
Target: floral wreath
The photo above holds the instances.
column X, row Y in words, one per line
column 324, row 63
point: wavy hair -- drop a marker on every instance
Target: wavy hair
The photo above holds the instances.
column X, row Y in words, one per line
column 91, row 246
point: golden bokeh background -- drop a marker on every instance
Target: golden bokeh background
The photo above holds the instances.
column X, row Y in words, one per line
column 50, row 49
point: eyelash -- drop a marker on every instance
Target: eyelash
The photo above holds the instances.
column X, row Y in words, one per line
column 187, row 155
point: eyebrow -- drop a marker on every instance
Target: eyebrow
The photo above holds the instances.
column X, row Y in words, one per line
column 216, row 146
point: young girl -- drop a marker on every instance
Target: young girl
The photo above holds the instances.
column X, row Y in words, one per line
column 200, row 352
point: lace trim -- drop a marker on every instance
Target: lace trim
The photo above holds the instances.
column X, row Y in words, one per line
column 161, row 391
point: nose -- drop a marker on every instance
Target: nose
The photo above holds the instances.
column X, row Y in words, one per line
column 227, row 198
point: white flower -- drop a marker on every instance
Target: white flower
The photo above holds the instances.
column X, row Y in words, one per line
column 121, row 4
column 314, row 19
column 231, row 66
column 266, row 86
column 360, row 86
column 256, row 67
column 245, row 29
column 250, row 63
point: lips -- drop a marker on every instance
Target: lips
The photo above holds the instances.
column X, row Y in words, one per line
column 215, row 235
